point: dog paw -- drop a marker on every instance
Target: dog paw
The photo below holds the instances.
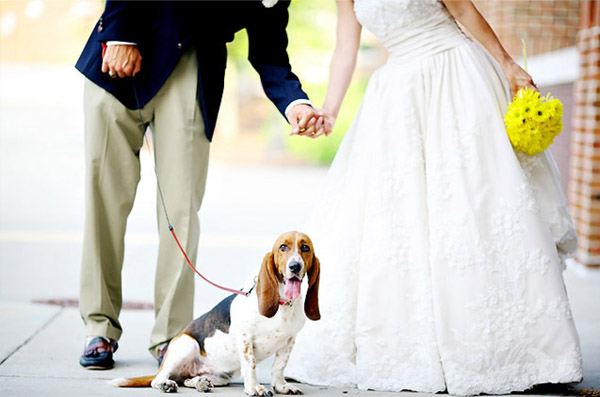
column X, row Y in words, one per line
column 200, row 383
column 287, row 388
column 204, row 385
column 258, row 390
column 168, row 386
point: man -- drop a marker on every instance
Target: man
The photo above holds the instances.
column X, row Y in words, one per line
column 161, row 64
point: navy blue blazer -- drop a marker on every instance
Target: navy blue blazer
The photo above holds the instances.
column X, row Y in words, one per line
column 163, row 30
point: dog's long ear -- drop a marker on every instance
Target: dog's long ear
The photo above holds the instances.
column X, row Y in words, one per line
column 267, row 288
column 311, row 304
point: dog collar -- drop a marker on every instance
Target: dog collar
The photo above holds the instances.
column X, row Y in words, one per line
column 284, row 302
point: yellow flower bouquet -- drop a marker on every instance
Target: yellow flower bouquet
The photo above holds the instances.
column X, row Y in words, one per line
column 532, row 121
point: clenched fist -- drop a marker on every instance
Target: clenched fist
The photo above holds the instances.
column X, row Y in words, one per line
column 122, row 60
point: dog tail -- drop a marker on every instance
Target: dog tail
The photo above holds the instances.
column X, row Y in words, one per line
column 140, row 381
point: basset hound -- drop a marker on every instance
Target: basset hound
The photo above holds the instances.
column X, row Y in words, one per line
column 242, row 331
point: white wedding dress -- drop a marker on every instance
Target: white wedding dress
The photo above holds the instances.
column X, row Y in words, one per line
column 441, row 248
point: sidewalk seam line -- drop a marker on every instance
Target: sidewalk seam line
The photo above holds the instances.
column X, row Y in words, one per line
column 40, row 329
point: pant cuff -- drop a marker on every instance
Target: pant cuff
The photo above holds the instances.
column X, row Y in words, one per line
column 107, row 331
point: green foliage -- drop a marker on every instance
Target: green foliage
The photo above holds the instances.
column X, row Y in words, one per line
column 237, row 51
column 311, row 33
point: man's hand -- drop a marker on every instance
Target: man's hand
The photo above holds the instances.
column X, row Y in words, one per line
column 309, row 122
column 302, row 118
column 122, row 60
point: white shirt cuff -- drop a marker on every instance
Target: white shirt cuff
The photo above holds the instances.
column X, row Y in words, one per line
column 114, row 42
column 296, row 102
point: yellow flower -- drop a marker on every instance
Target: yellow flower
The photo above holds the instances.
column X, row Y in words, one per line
column 532, row 121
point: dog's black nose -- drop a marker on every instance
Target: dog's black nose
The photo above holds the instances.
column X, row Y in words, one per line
column 295, row 267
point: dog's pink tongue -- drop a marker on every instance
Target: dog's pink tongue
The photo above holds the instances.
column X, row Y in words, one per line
column 292, row 288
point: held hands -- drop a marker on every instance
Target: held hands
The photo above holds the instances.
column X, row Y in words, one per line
column 517, row 77
column 122, row 60
column 310, row 122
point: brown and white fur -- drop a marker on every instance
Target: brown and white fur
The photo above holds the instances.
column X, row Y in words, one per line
column 242, row 331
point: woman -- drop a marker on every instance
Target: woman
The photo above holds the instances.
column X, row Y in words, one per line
column 441, row 247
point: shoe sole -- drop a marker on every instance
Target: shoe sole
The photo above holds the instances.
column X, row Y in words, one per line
column 98, row 367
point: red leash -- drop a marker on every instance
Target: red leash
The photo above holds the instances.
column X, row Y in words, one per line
column 191, row 265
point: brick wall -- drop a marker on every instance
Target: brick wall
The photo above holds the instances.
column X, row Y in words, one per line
column 546, row 25
column 584, row 187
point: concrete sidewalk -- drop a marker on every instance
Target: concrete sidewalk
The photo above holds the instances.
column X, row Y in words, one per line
column 41, row 345
column 44, row 343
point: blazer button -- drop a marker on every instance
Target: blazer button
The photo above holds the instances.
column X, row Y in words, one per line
column 179, row 45
column 100, row 27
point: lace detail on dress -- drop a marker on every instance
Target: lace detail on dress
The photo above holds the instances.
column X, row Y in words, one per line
column 383, row 17
column 554, row 207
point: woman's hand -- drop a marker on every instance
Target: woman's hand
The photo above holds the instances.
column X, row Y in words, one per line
column 517, row 77
column 325, row 123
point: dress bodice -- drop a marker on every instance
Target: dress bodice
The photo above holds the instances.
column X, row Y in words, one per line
column 410, row 27
column 383, row 17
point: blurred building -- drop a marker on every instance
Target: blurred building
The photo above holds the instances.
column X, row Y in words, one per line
column 45, row 31
column 546, row 25
column 563, row 44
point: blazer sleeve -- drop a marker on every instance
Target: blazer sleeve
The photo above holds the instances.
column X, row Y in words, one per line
column 121, row 21
column 267, row 52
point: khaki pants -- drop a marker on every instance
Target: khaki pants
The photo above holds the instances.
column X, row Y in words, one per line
column 114, row 136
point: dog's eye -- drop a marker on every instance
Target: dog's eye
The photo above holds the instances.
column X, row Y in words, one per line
column 304, row 248
column 283, row 248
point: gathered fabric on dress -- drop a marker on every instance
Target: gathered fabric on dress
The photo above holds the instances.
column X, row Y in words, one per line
column 441, row 248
